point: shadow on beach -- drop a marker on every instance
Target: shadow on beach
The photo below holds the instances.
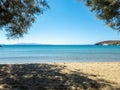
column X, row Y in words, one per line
column 47, row 77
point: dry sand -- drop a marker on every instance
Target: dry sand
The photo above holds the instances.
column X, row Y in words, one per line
column 60, row 76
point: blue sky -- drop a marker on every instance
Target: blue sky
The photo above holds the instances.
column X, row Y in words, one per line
column 66, row 22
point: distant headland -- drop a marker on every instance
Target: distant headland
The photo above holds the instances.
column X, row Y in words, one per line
column 109, row 42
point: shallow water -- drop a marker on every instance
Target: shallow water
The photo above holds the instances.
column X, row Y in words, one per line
column 58, row 53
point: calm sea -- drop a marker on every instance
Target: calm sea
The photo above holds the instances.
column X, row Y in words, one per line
column 58, row 53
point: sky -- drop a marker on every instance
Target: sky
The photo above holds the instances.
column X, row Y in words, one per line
column 66, row 22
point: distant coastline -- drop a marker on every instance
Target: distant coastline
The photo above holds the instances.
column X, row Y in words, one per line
column 109, row 42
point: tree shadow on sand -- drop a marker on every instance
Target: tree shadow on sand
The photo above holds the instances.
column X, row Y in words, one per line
column 47, row 77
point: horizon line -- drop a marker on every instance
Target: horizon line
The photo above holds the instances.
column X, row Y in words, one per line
column 42, row 44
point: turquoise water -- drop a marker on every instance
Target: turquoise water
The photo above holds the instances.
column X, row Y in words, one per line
column 58, row 53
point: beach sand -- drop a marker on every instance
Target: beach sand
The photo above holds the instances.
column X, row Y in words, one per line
column 60, row 76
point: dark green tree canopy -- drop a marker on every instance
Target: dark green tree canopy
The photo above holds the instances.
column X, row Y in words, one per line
column 107, row 10
column 16, row 16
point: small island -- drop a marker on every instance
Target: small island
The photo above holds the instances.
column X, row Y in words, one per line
column 109, row 42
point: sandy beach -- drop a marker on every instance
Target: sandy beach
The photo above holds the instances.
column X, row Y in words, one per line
column 60, row 76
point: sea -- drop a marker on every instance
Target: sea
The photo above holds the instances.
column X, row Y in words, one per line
column 58, row 53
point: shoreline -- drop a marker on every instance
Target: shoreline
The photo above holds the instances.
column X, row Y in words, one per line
column 69, row 75
column 60, row 62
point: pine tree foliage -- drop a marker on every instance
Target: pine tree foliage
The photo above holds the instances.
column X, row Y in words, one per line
column 16, row 16
column 107, row 10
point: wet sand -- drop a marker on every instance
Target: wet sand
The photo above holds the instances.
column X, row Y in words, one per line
column 60, row 76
